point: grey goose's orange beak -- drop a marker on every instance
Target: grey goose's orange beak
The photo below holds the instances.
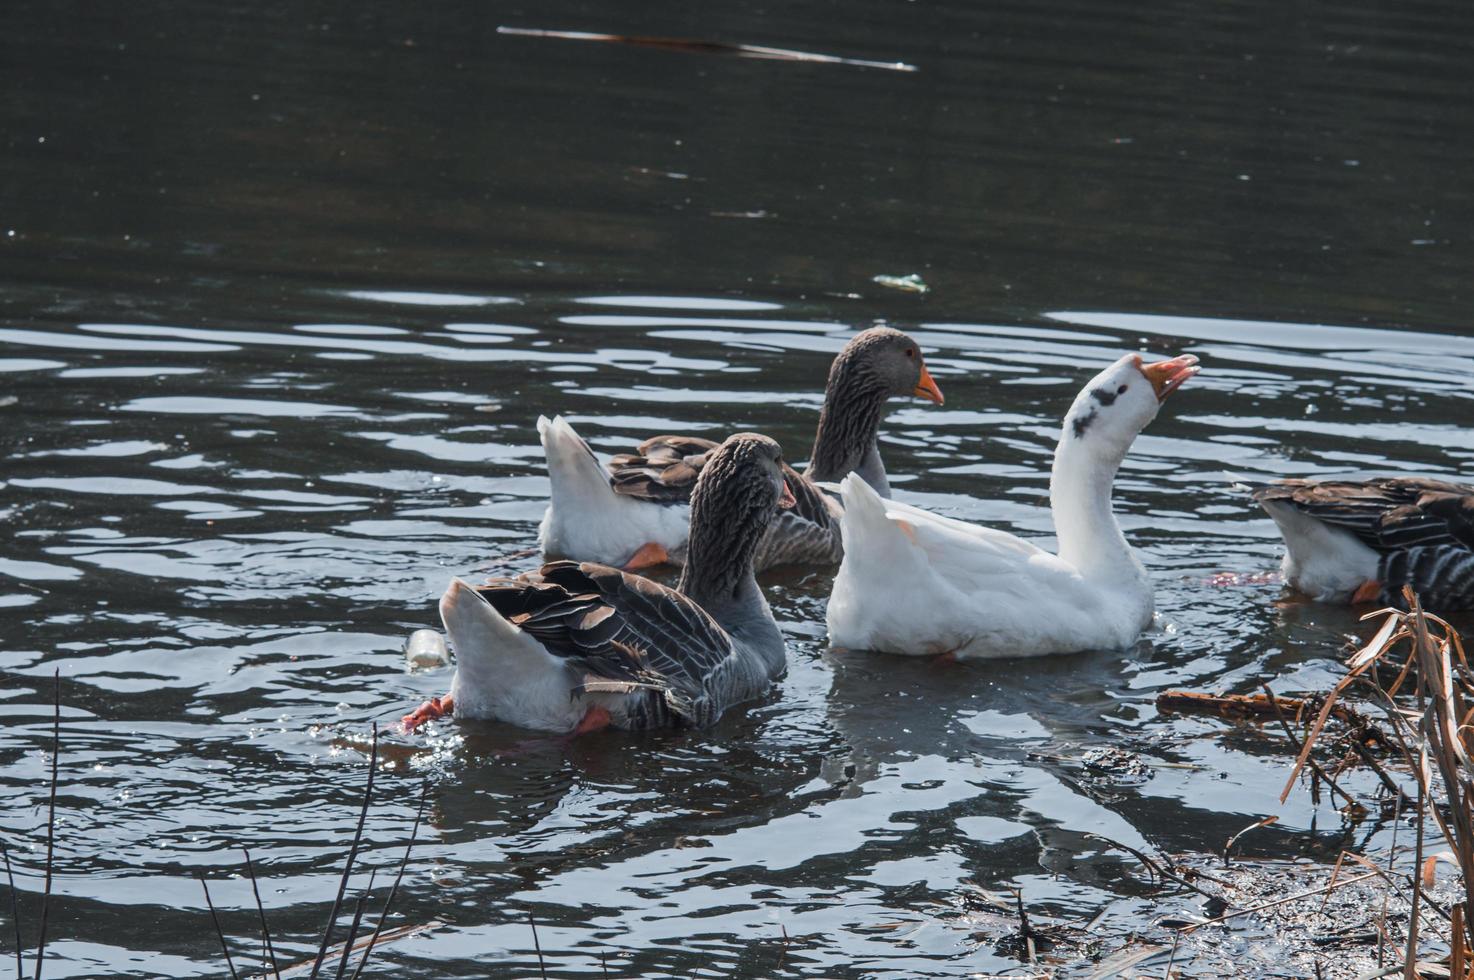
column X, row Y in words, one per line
column 1167, row 376
column 927, row 388
column 787, row 500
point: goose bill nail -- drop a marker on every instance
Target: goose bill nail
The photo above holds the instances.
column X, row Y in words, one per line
column 787, row 500
column 927, row 388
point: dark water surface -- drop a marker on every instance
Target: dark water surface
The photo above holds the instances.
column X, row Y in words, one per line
column 285, row 287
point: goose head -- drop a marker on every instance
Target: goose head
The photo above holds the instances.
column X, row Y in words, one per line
column 882, row 363
column 1113, row 408
column 876, row 365
column 740, row 490
column 742, row 481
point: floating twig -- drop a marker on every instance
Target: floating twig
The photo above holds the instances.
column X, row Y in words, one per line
column 1228, row 844
column 1305, row 754
column 1279, row 901
column 1238, row 705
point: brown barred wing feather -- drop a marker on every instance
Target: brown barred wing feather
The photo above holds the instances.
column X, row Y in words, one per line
column 1423, row 530
column 625, row 633
column 663, row 470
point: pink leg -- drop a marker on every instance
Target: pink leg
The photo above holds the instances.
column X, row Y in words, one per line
column 594, row 719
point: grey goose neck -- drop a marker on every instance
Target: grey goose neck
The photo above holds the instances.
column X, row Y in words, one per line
column 849, row 424
column 730, row 511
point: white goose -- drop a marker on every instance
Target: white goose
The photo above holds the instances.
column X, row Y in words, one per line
column 916, row 583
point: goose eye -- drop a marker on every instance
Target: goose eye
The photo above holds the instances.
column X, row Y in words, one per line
column 910, row 352
column 1122, row 390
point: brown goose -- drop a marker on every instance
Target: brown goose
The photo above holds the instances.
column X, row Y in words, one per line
column 577, row 646
column 1362, row 541
column 635, row 515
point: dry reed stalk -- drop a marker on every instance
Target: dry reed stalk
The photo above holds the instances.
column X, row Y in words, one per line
column 1435, row 736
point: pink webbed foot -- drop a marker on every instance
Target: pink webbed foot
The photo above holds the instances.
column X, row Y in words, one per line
column 646, row 556
column 429, row 711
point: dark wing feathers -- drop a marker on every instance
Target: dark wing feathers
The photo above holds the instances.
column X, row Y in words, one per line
column 624, row 632
column 1423, row 530
column 663, row 470
column 1387, row 515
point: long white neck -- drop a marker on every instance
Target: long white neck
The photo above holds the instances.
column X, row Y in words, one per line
column 1084, row 520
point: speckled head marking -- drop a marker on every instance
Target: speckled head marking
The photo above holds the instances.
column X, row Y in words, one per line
column 1120, row 401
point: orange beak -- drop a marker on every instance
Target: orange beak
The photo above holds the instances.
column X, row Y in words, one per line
column 927, row 388
column 1167, row 376
column 787, row 500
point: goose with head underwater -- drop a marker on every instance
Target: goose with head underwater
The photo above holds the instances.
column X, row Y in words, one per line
column 635, row 514
column 913, row 582
column 574, row 646
column 1354, row 541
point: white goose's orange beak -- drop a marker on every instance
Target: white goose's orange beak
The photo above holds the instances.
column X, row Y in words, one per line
column 927, row 388
column 1167, row 376
column 787, row 500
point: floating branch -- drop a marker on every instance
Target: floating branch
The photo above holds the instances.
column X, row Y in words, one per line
column 709, row 47
column 1241, row 705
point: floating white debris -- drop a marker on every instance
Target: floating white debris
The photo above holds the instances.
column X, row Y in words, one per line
column 906, row 284
column 426, row 648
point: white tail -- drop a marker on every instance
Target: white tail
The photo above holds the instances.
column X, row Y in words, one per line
column 586, row 520
column 572, row 467
column 502, row 672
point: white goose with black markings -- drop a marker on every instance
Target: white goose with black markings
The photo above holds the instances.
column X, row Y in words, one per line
column 913, row 582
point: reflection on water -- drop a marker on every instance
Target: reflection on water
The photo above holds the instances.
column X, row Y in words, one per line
column 274, row 341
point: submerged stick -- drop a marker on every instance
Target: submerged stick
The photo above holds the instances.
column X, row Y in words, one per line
column 368, row 792
column 541, row 967
column 394, row 888
column 261, row 910
column 224, row 948
column 50, row 823
column 20, row 963
column 353, row 927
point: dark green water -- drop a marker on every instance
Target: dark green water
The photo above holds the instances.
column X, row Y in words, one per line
column 263, row 267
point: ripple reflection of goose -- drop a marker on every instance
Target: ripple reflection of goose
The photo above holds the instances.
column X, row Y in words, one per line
column 635, row 515
column 916, row 583
column 1350, row 541
column 574, row 646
